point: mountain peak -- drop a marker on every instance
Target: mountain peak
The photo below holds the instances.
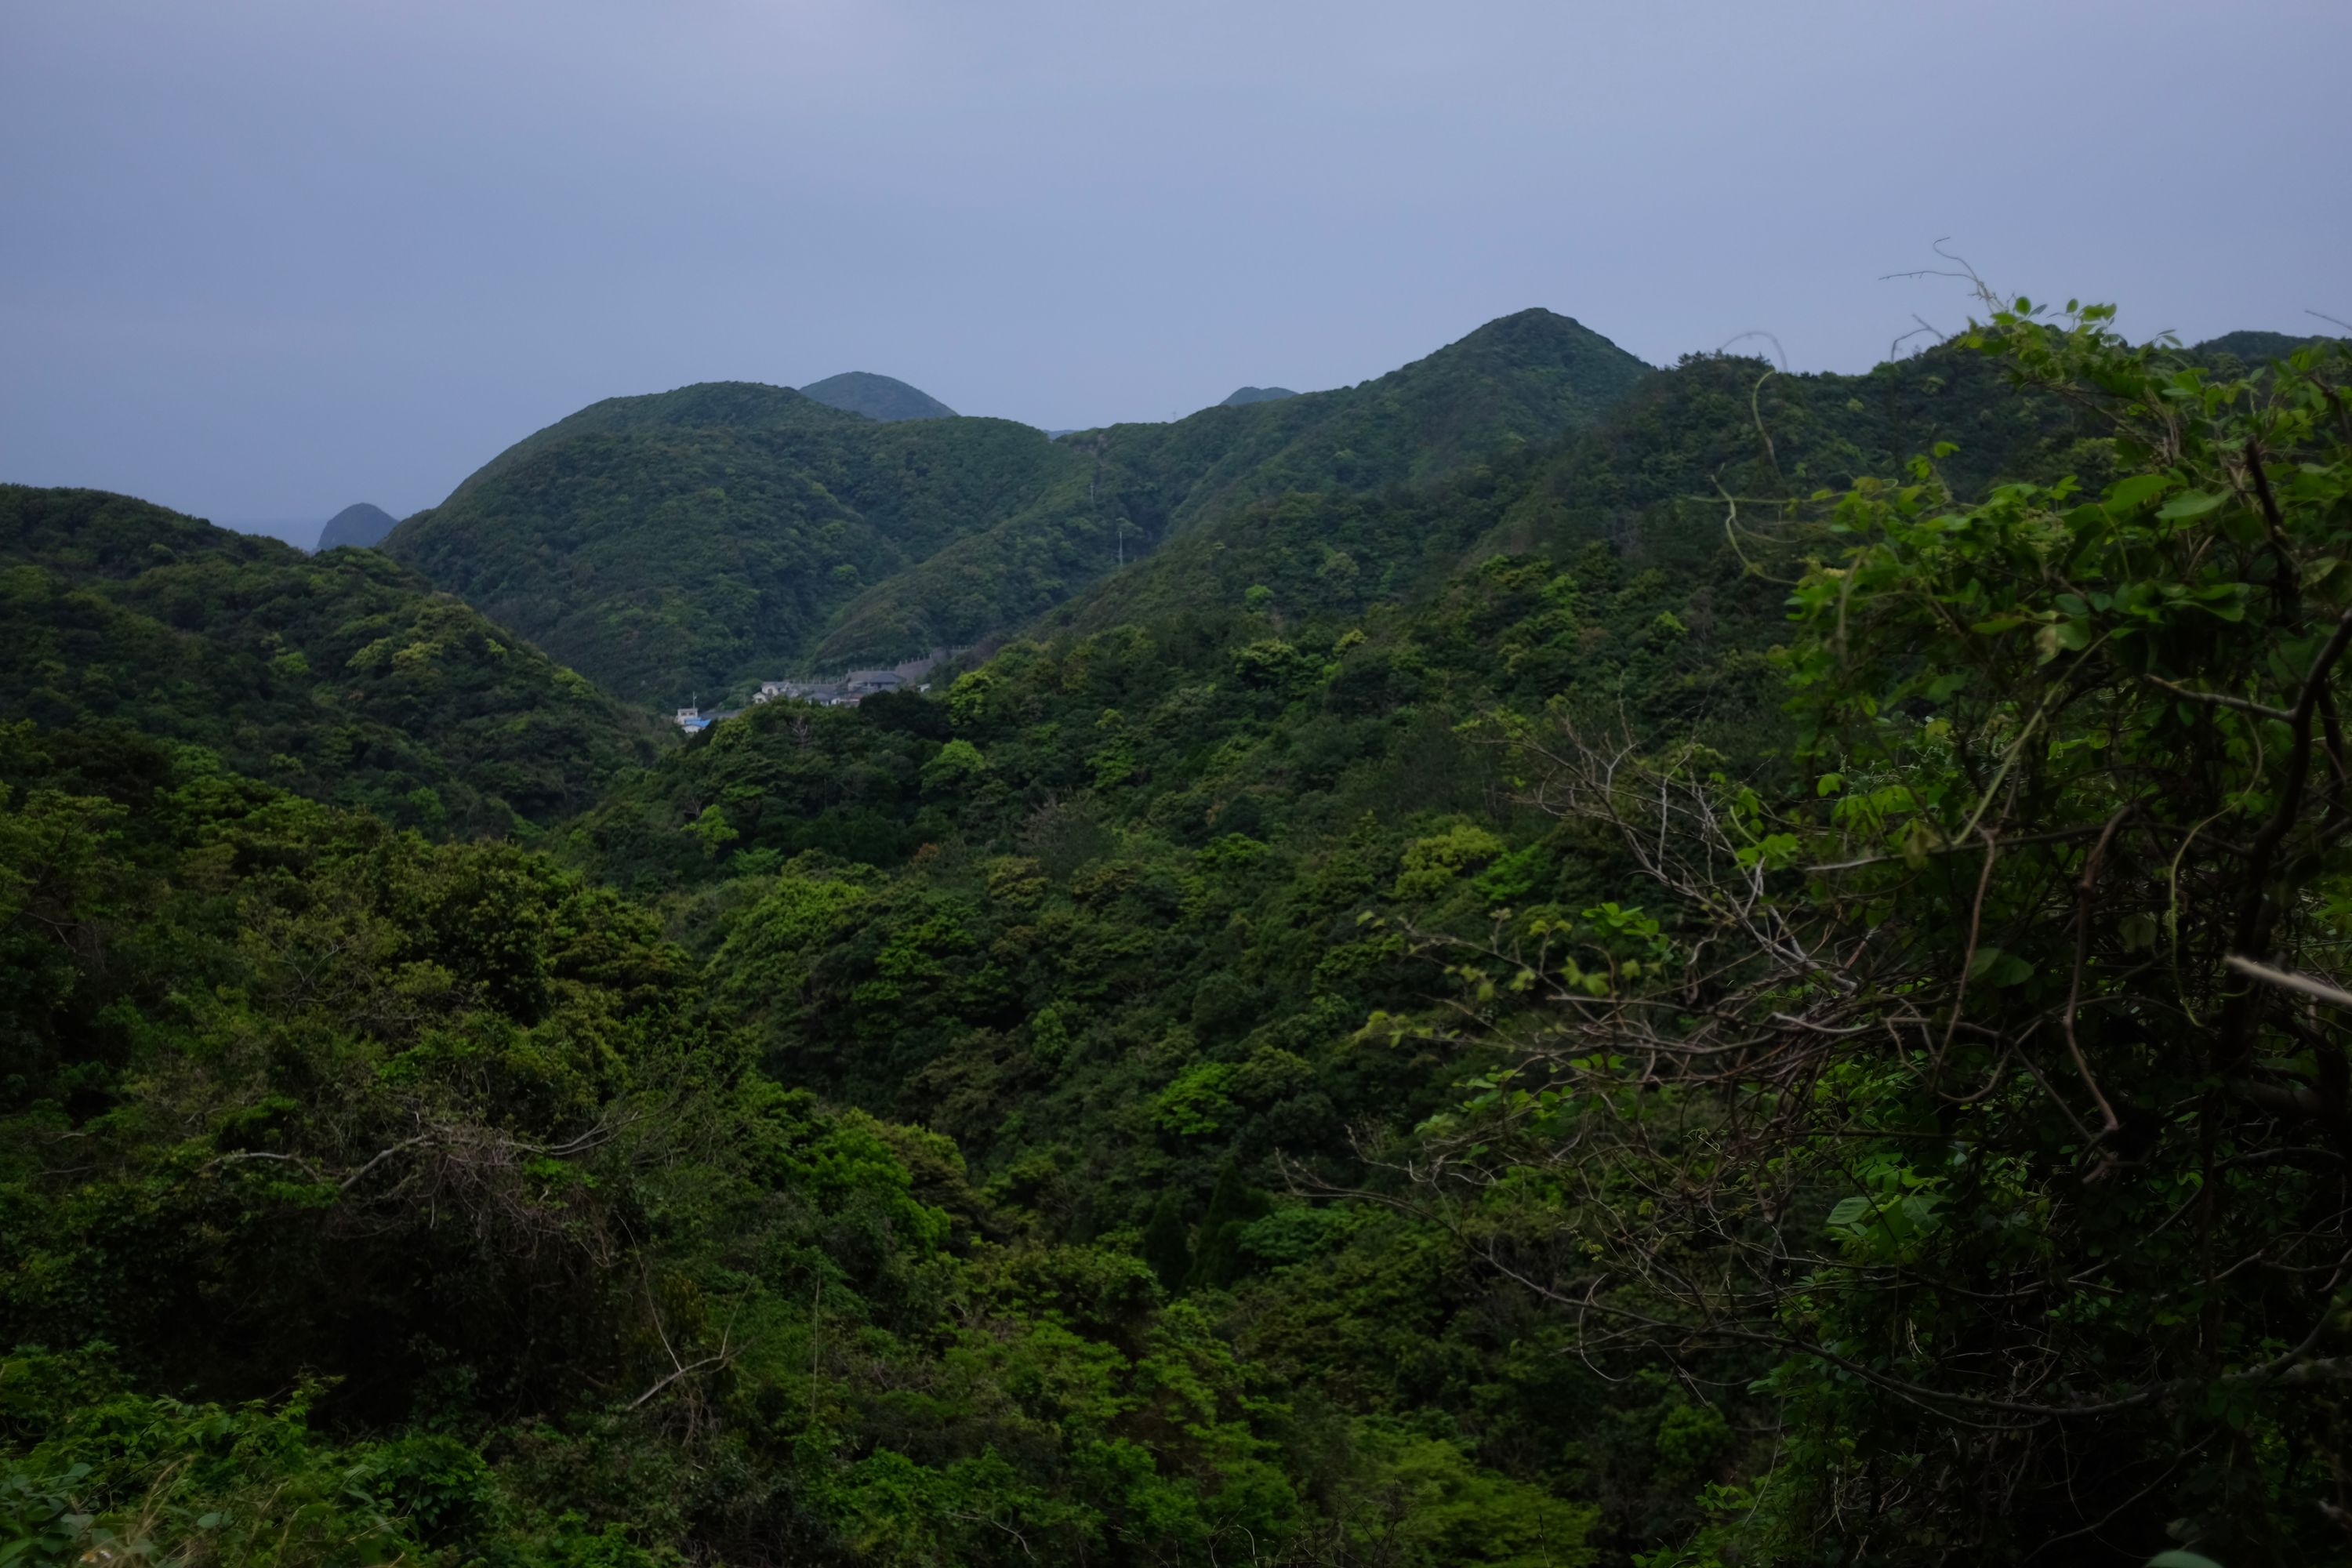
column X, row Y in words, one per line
column 360, row 525
column 1535, row 337
column 876, row 397
column 1255, row 395
column 2255, row 348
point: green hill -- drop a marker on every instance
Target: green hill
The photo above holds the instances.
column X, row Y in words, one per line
column 876, row 397
column 677, row 543
column 362, row 525
column 342, row 676
column 2252, row 348
column 1243, row 395
column 1527, row 378
column 1642, row 479
column 705, row 406
column 691, row 541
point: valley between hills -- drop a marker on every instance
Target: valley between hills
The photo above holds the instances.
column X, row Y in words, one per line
column 1536, row 960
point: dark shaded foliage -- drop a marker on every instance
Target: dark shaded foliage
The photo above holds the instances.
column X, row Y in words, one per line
column 342, row 676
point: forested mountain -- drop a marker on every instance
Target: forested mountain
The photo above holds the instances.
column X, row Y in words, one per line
column 1524, row 378
column 737, row 405
column 1242, row 395
column 343, row 677
column 876, row 397
column 1528, row 378
column 680, row 543
column 362, row 525
column 1757, row 978
column 677, row 543
column 1644, row 479
column 2253, row 349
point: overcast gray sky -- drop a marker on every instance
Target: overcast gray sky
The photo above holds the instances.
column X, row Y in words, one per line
column 260, row 259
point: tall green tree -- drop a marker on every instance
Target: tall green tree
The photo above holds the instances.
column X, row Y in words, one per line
column 1979, row 1083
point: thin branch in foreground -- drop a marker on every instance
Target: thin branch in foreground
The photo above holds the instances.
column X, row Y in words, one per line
column 2287, row 980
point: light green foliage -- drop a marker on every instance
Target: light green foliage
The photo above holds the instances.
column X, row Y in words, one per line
column 1197, row 1101
column 127, row 1478
column 1440, row 1508
column 957, row 765
column 1429, row 864
column 713, row 830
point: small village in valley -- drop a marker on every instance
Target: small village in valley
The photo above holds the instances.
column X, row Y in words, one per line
column 843, row 690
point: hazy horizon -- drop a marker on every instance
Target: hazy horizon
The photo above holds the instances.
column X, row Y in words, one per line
column 267, row 260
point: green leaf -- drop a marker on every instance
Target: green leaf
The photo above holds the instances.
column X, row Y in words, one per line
column 2196, row 503
column 1996, row 968
column 2125, row 495
column 2181, row 1560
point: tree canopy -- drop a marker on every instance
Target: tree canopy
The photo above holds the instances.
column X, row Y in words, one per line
column 703, row 538
column 1757, row 980
column 341, row 675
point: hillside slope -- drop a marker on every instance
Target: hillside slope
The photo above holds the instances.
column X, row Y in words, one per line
column 1642, row 479
column 1526, row 378
column 1532, row 376
column 680, row 543
column 343, row 677
column 669, row 545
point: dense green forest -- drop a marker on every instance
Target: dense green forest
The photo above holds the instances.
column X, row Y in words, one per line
column 703, row 538
column 1524, row 379
column 339, row 676
column 1630, row 482
column 1665, row 970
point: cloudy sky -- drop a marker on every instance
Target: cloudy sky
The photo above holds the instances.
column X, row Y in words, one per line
column 261, row 260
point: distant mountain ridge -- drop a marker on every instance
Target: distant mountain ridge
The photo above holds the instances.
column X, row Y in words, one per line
column 1246, row 394
column 687, row 540
column 362, row 525
column 2252, row 347
column 1528, row 377
column 1639, row 479
column 876, row 397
